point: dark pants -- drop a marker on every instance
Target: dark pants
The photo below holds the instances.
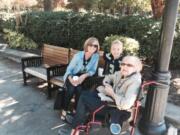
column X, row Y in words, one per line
column 70, row 92
column 118, row 116
column 89, row 102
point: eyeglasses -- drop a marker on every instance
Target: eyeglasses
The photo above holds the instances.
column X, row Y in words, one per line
column 127, row 64
column 95, row 46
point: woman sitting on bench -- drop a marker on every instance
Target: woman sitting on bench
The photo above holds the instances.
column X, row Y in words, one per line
column 83, row 65
column 121, row 87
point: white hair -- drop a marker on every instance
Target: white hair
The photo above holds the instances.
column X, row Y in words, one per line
column 137, row 62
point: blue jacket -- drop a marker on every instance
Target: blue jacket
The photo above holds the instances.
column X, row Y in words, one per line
column 76, row 64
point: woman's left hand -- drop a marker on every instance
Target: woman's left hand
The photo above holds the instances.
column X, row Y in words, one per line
column 82, row 78
column 109, row 90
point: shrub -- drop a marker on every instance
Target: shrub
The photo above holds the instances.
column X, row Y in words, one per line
column 17, row 40
column 68, row 29
column 71, row 29
column 130, row 46
column 9, row 24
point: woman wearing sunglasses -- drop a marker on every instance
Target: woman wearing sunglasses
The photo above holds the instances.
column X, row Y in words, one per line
column 121, row 88
column 83, row 65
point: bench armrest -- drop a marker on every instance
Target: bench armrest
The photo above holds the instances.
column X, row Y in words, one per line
column 92, row 82
column 34, row 61
column 56, row 70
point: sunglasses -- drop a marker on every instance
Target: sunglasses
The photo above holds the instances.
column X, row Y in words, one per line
column 127, row 64
column 95, row 46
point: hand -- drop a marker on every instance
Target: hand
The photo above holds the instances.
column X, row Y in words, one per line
column 107, row 84
column 73, row 82
column 82, row 78
column 109, row 90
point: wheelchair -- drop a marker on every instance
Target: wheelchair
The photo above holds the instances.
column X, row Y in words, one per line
column 134, row 114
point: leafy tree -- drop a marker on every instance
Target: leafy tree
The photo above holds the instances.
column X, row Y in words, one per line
column 76, row 5
column 47, row 5
column 126, row 7
column 157, row 8
column 60, row 3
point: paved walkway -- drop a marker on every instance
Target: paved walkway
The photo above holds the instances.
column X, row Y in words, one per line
column 24, row 110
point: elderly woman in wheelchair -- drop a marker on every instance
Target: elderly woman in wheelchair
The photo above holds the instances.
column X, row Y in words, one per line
column 120, row 88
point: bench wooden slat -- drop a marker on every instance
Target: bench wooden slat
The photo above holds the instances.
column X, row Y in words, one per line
column 60, row 51
column 55, row 47
column 39, row 72
column 56, row 56
column 72, row 53
column 101, row 59
column 54, row 62
column 53, row 55
column 58, row 81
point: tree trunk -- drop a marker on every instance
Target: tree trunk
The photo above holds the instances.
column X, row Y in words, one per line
column 47, row 5
column 157, row 8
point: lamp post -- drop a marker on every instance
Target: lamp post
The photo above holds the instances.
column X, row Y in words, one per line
column 152, row 121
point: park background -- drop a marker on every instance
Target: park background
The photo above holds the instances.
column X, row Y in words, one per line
column 27, row 25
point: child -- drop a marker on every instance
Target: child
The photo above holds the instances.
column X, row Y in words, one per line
column 114, row 58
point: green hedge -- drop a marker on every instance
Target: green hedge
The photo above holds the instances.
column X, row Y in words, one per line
column 70, row 29
column 17, row 40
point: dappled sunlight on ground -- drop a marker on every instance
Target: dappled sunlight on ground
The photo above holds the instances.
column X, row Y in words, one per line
column 24, row 110
column 18, row 80
column 13, row 119
column 9, row 101
column 42, row 85
column 2, row 81
column 58, row 126
column 8, row 112
column 13, row 74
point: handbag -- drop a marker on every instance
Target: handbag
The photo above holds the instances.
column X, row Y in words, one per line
column 59, row 100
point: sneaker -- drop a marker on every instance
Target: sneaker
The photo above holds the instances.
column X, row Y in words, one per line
column 115, row 128
column 69, row 118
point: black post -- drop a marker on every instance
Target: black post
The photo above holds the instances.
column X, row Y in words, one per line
column 152, row 121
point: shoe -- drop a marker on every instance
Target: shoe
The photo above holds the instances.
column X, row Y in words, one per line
column 63, row 115
column 115, row 128
column 69, row 118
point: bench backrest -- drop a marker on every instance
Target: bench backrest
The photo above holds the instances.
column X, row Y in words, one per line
column 53, row 55
column 72, row 53
column 101, row 59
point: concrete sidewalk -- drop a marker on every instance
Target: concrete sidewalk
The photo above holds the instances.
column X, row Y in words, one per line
column 24, row 110
column 14, row 54
column 172, row 114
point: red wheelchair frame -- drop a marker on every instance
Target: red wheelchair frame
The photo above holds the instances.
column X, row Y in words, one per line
column 135, row 107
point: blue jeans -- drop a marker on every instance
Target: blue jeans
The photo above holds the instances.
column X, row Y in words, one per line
column 119, row 116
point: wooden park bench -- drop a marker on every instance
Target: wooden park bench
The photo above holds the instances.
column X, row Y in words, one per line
column 51, row 66
column 52, row 59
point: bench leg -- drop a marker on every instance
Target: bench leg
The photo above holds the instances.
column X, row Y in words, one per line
column 24, row 78
column 49, row 91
